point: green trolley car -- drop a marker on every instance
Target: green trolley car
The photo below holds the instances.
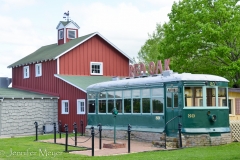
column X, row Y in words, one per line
column 196, row 101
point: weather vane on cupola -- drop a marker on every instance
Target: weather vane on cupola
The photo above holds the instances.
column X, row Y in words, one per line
column 66, row 16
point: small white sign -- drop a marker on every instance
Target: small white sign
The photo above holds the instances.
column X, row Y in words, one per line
column 172, row 89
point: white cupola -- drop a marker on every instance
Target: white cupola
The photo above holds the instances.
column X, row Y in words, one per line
column 66, row 30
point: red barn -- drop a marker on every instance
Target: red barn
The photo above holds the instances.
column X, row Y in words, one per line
column 66, row 68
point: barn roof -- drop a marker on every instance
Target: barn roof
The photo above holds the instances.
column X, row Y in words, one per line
column 65, row 23
column 6, row 93
column 82, row 82
column 54, row 51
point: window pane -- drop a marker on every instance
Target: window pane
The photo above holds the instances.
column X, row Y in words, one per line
column 222, row 95
column 91, row 106
column 157, row 92
column 211, row 100
column 82, row 106
column 118, row 94
column 136, row 93
column 95, row 68
column 222, row 92
column 230, row 106
column 66, row 106
column 175, row 100
column 169, row 99
column 110, row 105
column 119, row 105
column 127, row 105
column 146, row 105
column 111, row 94
column 127, row 94
column 146, row 93
column 102, row 95
column 193, row 96
column 157, row 104
column 91, row 95
column 102, row 106
column 136, row 105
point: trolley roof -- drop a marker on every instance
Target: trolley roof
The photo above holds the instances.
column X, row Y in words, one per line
column 167, row 76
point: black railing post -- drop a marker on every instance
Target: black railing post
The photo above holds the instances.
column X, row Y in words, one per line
column 36, row 126
column 92, row 132
column 59, row 129
column 82, row 126
column 129, row 132
column 100, row 135
column 66, row 144
column 75, row 131
column 180, row 132
column 54, row 128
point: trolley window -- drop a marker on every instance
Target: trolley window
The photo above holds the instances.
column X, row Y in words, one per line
column 136, row 100
column 222, row 97
column 91, row 102
column 110, row 101
column 193, row 96
column 127, row 101
column 102, row 102
column 146, row 101
column 211, row 97
column 118, row 101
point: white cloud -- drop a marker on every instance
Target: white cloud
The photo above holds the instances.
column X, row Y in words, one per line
column 126, row 25
column 7, row 5
column 120, row 24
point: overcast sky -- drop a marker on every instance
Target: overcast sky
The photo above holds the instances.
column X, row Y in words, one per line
column 27, row 25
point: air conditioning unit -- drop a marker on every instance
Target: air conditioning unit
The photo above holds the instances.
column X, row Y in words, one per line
column 49, row 128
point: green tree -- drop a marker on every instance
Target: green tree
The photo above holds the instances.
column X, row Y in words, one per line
column 150, row 50
column 203, row 36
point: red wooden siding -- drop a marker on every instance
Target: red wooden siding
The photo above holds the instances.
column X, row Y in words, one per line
column 45, row 84
column 77, row 61
column 68, row 92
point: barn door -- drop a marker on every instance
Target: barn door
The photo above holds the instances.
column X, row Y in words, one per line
column 171, row 109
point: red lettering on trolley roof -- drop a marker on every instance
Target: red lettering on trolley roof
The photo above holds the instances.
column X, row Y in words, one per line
column 140, row 69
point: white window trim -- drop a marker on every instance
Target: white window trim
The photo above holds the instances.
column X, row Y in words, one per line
column 71, row 30
column 96, row 63
column 40, row 69
column 26, row 68
column 63, row 106
column 79, row 107
column 59, row 34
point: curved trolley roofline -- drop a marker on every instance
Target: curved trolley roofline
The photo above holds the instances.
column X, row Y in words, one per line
column 167, row 76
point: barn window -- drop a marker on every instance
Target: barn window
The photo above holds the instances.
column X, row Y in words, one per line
column 60, row 34
column 65, row 106
column 71, row 34
column 26, row 72
column 96, row 68
column 81, row 106
column 38, row 69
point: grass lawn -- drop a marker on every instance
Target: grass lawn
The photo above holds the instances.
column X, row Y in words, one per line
column 23, row 148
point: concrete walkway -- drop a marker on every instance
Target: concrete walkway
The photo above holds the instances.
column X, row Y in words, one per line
column 135, row 146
